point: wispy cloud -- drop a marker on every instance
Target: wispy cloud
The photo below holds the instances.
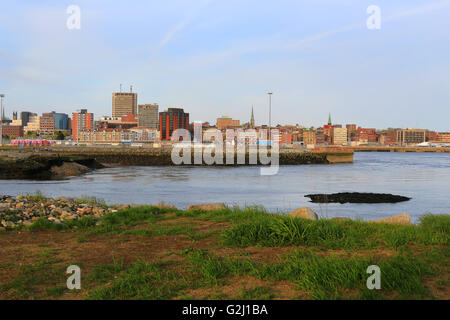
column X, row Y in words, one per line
column 177, row 28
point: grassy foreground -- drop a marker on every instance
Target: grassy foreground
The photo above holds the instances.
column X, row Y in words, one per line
column 151, row 253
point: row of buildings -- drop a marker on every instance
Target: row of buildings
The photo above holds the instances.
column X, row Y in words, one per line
column 143, row 123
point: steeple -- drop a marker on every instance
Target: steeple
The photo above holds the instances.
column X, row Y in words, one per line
column 329, row 119
column 252, row 120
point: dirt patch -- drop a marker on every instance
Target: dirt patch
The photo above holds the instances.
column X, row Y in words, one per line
column 282, row 290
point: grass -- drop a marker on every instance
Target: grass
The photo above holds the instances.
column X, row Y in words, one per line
column 274, row 230
column 326, row 259
column 46, row 271
column 141, row 281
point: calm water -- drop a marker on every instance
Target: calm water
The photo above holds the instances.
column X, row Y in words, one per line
column 423, row 177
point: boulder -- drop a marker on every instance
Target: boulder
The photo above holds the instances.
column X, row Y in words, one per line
column 304, row 213
column 207, row 207
column 402, row 218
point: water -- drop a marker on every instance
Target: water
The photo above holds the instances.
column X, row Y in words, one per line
column 425, row 177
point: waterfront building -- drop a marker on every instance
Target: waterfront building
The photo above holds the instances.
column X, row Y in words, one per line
column 12, row 131
column 148, row 115
column 309, row 136
column 53, row 121
column 124, row 103
column 411, row 136
column 320, row 136
column 443, row 136
column 170, row 120
column 340, row 136
column 81, row 121
column 225, row 122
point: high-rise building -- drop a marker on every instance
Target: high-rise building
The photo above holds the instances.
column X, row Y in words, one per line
column 25, row 117
column 170, row 120
column 81, row 121
column 33, row 123
column 124, row 103
column 148, row 115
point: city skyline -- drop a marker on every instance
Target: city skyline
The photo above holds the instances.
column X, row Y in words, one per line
column 213, row 58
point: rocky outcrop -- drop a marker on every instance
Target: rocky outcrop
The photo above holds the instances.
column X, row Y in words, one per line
column 304, row 213
column 24, row 210
column 207, row 207
column 402, row 218
column 68, row 169
column 356, row 197
column 45, row 167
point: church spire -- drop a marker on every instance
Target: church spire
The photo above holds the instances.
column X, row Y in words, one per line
column 252, row 120
column 329, row 119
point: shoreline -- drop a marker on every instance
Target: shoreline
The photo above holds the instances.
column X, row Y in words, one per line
column 57, row 164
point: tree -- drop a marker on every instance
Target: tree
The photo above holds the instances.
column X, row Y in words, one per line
column 58, row 135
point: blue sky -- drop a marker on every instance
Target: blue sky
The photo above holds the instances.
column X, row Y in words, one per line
column 220, row 57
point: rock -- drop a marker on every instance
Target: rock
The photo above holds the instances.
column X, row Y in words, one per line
column 402, row 218
column 19, row 205
column 68, row 169
column 208, row 207
column 304, row 213
column 356, row 197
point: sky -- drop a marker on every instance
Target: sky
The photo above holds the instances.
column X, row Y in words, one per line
column 221, row 57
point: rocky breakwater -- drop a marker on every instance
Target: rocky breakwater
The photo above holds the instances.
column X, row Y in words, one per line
column 24, row 210
column 45, row 166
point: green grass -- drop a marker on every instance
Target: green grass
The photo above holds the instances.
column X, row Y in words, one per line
column 324, row 277
column 142, row 280
column 277, row 230
column 46, row 271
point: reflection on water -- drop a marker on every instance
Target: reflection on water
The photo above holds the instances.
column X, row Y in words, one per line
column 423, row 177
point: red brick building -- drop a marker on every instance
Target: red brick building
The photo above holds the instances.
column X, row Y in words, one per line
column 12, row 131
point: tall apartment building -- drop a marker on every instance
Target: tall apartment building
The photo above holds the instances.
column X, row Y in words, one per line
column 81, row 121
column 340, row 136
column 411, row 136
column 148, row 115
column 224, row 122
column 124, row 103
column 170, row 120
